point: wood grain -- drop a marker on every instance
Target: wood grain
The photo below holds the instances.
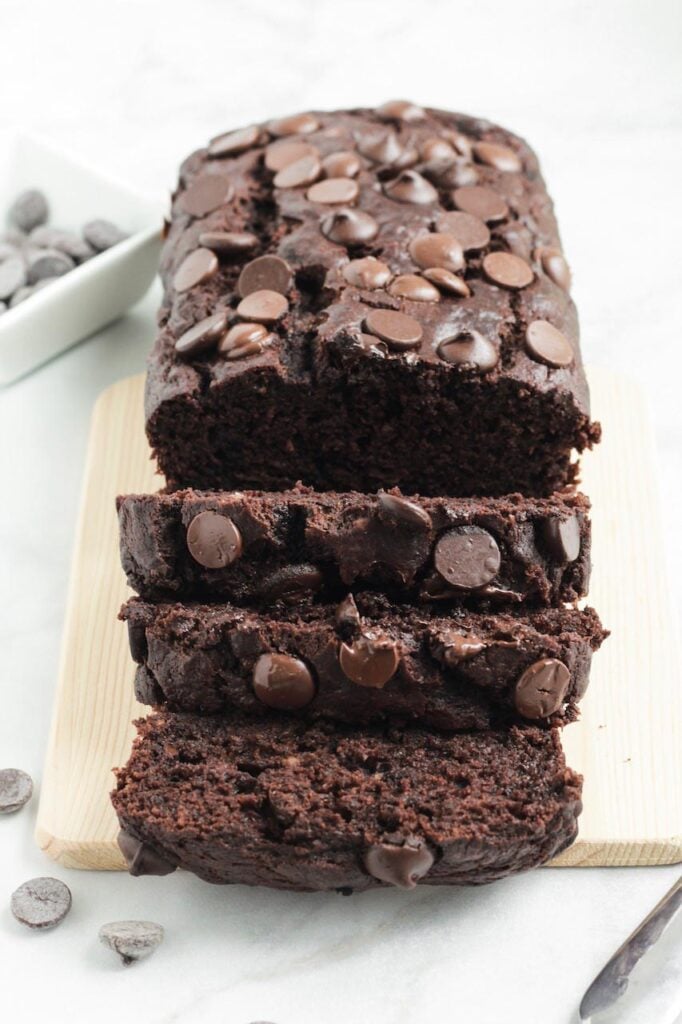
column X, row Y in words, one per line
column 627, row 743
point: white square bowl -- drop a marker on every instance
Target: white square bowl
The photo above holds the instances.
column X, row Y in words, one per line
column 96, row 292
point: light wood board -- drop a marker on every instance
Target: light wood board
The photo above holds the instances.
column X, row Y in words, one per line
column 628, row 743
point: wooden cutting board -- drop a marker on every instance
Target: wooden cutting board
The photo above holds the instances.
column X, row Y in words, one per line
column 628, row 742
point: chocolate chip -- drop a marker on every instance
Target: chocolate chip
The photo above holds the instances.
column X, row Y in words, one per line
column 467, row 557
column 447, row 281
column 402, row 866
column 344, row 164
column 202, row 336
column 381, row 147
column 405, row 512
column 507, row 270
column 398, row 330
column 283, row 682
column 349, row 227
column 437, row 250
column 455, row 648
column 502, row 158
column 207, row 193
column 438, row 152
column 265, row 306
column 414, row 288
column 41, row 903
column 243, row 336
column 280, row 154
column 137, row 641
column 231, row 143
column 469, row 350
column 546, row 344
column 12, row 277
column 554, row 264
column 459, row 175
column 411, row 187
column 228, row 241
column 333, row 190
column 68, row 242
column 347, row 616
column 249, row 348
column 141, row 858
column 300, row 172
column 48, row 263
column 102, row 234
column 541, row 689
column 213, row 540
column 131, row 940
column 462, row 143
column 16, row 789
column 471, row 232
column 196, row 268
column 21, row 294
column 291, row 583
column 400, row 110
column 370, row 343
column 368, row 273
column 369, row 661
column 562, row 538
column 269, row 273
column 481, row 202
column 28, row 210
column 296, row 124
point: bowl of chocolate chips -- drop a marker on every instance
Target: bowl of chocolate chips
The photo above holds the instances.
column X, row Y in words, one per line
column 77, row 250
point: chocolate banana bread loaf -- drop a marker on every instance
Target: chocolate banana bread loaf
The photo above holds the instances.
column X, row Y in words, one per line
column 365, row 660
column 261, row 549
column 275, row 803
column 365, row 299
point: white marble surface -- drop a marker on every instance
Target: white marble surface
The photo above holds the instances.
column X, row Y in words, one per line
column 133, row 85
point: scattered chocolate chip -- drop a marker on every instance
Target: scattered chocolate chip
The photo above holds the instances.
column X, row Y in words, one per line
column 546, row 344
column 48, row 263
column 280, row 154
column 562, row 538
column 300, row 172
column 400, row 110
column 292, row 582
column 411, row 187
column 132, row 940
column 471, row 232
column 213, row 540
column 480, row 201
column 12, row 277
column 243, row 336
column 402, row 866
column 507, row 270
column 228, row 241
column 102, row 234
column 347, row 616
column 381, row 147
column 270, row 273
column 41, row 903
column 283, row 682
column 207, row 193
column 447, row 281
column 399, row 509
column 456, row 647
column 367, row 273
column 296, row 124
column 28, row 210
column 369, row 661
column 196, row 268
column 231, row 143
column 349, row 227
column 467, row 557
column 437, row 250
column 470, row 351
column 16, row 789
column 541, row 689
column 21, row 294
column 141, row 858
column 462, row 143
column 414, row 288
column 554, row 264
column 68, row 242
column 437, row 151
column 459, row 175
column 333, row 190
column 344, row 164
column 137, row 641
column 203, row 335
column 398, row 330
column 264, row 306
column 502, row 158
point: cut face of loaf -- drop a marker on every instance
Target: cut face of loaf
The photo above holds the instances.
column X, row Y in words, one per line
column 360, row 300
